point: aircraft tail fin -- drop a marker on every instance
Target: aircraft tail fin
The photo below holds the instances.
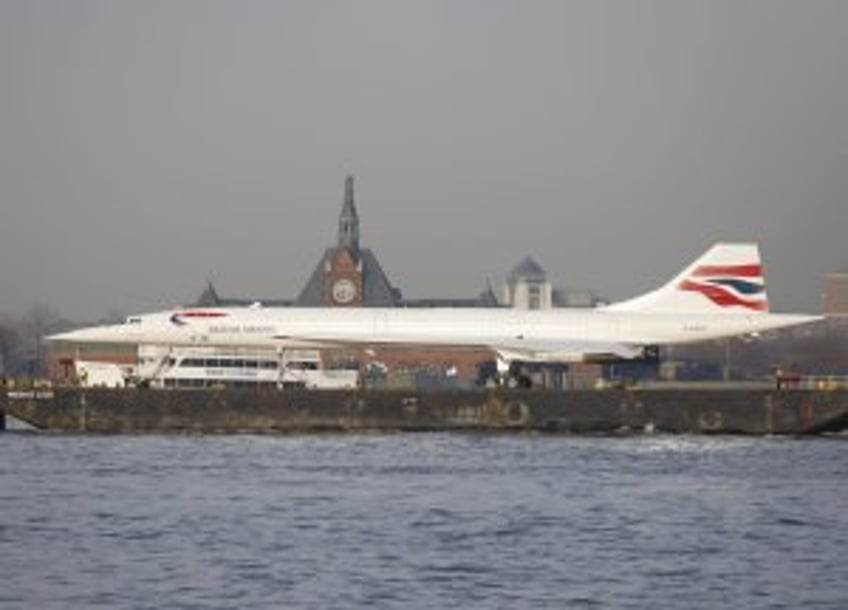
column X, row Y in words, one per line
column 728, row 278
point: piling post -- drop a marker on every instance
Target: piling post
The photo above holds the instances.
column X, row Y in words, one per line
column 4, row 388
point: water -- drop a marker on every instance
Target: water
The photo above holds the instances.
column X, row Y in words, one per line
column 422, row 521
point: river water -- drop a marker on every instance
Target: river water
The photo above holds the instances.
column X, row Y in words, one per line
column 422, row 521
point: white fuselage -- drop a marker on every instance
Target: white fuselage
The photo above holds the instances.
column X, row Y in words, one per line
column 721, row 294
column 311, row 327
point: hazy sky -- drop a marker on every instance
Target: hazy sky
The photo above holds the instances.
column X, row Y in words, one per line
column 146, row 146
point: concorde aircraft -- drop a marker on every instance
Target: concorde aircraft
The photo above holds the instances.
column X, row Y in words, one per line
column 722, row 294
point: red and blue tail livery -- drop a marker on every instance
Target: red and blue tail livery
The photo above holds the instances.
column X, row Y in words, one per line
column 729, row 285
column 728, row 278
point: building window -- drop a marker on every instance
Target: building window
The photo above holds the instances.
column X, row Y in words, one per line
column 534, row 300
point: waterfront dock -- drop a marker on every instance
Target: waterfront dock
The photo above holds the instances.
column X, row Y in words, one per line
column 699, row 410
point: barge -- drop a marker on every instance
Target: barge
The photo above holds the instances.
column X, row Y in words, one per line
column 695, row 410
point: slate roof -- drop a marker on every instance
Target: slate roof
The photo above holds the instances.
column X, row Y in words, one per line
column 528, row 269
column 486, row 298
column 210, row 298
column 377, row 291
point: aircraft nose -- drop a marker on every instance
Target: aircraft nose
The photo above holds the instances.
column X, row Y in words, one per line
column 66, row 336
column 86, row 334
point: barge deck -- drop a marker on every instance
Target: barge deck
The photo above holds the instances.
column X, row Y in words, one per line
column 753, row 411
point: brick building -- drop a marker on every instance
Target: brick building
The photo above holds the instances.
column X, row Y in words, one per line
column 348, row 275
column 835, row 296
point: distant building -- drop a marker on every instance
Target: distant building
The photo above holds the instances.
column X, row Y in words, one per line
column 835, row 301
column 210, row 298
column 527, row 287
column 348, row 275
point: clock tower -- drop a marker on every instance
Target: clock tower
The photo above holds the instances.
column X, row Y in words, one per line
column 348, row 275
column 343, row 265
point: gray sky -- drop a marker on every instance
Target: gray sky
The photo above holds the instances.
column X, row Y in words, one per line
column 147, row 145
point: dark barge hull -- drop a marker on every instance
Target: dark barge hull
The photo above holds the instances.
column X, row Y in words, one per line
column 711, row 411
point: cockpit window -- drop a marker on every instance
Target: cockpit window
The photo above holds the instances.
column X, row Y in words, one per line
column 133, row 320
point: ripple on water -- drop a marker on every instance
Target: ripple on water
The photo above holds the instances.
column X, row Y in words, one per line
column 421, row 520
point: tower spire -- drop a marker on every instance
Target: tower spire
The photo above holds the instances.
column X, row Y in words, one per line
column 349, row 220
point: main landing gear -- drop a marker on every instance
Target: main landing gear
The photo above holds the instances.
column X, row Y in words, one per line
column 512, row 375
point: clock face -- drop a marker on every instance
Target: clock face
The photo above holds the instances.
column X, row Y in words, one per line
column 344, row 291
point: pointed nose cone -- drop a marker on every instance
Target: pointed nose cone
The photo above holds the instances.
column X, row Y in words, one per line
column 67, row 336
column 89, row 335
